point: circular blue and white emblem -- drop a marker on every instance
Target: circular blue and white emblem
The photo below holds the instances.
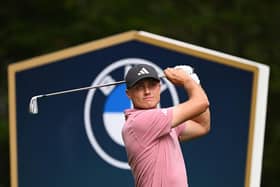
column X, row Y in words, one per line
column 104, row 107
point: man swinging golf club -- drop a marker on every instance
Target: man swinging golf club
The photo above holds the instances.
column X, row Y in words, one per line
column 151, row 134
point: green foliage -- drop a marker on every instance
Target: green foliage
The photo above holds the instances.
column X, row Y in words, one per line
column 248, row 29
column 4, row 153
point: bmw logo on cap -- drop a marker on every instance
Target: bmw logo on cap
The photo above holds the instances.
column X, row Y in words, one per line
column 104, row 107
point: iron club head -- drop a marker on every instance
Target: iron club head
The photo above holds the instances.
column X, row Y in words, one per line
column 33, row 104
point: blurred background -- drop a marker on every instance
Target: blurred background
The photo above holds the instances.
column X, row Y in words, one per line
column 248, row 29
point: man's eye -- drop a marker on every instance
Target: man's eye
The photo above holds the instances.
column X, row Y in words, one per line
column 139, row 86
column 153, row 83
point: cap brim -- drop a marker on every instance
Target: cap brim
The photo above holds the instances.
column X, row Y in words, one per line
column 141, row 78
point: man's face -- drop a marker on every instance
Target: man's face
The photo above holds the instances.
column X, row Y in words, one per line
column 145, row 94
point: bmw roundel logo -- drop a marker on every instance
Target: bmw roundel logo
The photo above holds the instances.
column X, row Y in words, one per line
column 104, row 107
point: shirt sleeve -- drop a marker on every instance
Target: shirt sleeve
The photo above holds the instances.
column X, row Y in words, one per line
column 180, row 128
column 152, row 124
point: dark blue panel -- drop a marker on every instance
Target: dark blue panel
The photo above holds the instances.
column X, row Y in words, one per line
column 54, row 150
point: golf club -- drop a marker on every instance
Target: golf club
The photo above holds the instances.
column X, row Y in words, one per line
column 33, row 104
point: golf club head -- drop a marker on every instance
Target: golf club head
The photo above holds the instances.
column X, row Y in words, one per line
column 33, row 105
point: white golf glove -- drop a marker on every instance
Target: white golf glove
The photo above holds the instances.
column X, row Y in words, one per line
column 189, row 70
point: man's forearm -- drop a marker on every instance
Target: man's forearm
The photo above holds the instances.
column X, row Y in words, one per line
column 203, row 120
column 196, row 127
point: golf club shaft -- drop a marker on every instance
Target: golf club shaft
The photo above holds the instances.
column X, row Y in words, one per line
column 33, row 104
column 81, row 89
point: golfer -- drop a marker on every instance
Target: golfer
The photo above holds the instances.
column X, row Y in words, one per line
column 151, row 134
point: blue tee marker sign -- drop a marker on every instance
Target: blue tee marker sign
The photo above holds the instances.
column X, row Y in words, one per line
column 75, row 138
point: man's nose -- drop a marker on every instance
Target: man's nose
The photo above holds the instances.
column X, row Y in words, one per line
column 146, row 89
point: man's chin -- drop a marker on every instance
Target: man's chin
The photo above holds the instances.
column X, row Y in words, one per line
column 150, row 107
column 146, row 107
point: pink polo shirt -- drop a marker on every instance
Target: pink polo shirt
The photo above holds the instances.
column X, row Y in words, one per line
column 153, row 149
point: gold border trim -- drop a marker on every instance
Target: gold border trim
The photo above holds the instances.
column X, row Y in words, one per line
column 73, row 51
column 12, row 127
column 110, row 41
